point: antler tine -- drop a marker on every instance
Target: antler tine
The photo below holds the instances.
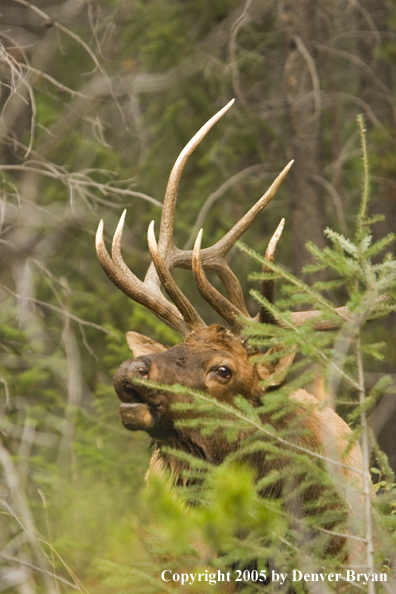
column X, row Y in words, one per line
column 273, row 242
column 124, row 279
column 119, row 260
column 165, row 241
column 224, row 245
column 173, row 256
column 213, row 258
column 225, row 308
column 190, row 315
column 268, row 286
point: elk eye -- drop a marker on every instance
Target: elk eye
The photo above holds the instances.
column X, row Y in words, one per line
column 224, row 372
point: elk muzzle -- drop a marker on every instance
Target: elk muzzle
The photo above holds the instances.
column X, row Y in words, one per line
column 141, row 406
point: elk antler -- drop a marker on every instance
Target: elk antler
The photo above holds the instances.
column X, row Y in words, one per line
column 180, row 314
column 146, row 293
column 268, row 286
column 235, row 316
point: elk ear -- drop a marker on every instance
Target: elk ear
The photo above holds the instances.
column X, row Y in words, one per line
column 275, row 367
column 141, row 345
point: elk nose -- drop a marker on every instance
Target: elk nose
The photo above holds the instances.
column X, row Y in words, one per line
column 137, row 367
column 123, row 379
column 140, row 366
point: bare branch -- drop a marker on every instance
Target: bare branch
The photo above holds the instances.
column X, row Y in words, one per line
column 63, row 312
column 313, row 72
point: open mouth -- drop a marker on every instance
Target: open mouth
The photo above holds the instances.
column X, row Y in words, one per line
column 132, row 396
column 135, row 412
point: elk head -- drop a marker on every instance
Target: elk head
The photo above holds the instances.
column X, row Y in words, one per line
column 210, row 359
column 214, row 359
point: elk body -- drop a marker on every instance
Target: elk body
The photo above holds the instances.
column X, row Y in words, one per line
column 213, row 359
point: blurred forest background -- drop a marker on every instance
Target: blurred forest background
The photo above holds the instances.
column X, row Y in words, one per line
column 98, row 97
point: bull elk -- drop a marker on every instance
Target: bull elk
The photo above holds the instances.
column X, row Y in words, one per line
column 214, row 359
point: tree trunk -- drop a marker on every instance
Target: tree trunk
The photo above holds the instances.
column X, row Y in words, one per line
column 302, row 96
